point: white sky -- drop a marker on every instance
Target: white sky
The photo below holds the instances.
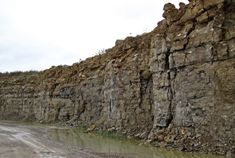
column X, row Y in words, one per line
column 36, row 34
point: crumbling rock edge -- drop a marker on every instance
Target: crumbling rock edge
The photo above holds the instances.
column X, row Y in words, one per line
column 174, row 86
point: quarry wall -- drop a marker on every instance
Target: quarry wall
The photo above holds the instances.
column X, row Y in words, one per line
column 173, row 87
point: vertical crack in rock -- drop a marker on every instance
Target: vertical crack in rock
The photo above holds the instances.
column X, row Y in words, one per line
column 170, row 97
column 173, row 85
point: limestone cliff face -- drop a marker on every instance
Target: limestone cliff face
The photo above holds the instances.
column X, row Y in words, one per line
column 174, row 86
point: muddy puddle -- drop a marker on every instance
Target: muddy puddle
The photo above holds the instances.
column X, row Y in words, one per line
column 115, row 145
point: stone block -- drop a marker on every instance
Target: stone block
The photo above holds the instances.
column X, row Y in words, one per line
column 179, row 32
column 204, row 33
column 158, row 64
column 221, row 51
column 231, row 47
column 177, row 59
column 161, row 80
column 162, row 111
column 178, row 45
column 211, row 3
column 207, row 15
column 194, row 8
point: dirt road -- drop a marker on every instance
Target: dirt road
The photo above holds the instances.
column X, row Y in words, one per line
column 24, row 142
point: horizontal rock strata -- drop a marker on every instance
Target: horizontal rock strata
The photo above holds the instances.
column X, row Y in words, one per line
column 174, row 86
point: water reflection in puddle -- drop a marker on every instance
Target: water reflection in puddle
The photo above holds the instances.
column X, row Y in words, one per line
column 115, row 146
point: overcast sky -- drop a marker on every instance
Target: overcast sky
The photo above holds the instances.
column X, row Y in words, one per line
column 36, row 34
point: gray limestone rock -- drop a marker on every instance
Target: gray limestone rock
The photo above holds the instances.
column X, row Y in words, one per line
column 174, row 86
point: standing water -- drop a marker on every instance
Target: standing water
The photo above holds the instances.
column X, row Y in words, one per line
column 112, row 145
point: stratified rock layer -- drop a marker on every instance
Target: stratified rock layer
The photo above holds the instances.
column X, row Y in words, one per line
column 174, row 86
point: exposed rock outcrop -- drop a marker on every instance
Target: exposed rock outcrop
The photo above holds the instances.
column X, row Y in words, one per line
column 174, row 86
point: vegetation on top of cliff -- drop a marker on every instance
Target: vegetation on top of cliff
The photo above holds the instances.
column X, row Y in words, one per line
column 19, row 78
column 15, row 73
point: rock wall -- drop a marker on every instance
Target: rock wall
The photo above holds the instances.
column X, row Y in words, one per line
column 174, row 86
